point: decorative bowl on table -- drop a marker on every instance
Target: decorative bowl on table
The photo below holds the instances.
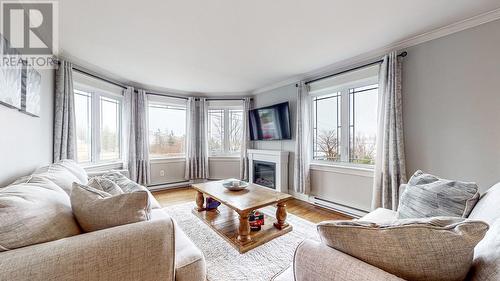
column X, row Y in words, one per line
column 235, row 185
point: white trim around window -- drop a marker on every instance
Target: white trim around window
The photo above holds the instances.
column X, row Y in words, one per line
column 339, row 87
column 343, row 168
column 225, row 107
column 96, row 97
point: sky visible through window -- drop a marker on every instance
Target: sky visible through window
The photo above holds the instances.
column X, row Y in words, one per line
column 167, row 130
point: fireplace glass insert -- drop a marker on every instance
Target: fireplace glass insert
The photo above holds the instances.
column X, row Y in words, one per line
column 264, row 173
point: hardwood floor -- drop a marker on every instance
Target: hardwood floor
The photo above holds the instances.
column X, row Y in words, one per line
column 297, row 207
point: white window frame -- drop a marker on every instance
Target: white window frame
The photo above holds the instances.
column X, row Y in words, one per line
column 95, row 126
column 225, row 106
column 344, row 121
column 173, row 102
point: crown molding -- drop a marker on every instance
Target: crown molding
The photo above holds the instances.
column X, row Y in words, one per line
column 376, row 54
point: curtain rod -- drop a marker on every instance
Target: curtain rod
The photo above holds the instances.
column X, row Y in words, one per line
column 164, row 95
column 185, row 98
column 222, row 99
column 97, row 76
column 79, row 69
column 403, row 54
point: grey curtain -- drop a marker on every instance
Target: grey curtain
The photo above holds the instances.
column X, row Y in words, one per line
column 64, row 114
column 138, row 143
column 301, row 180
column 245, row 142
column 390, row 166
column 196, row 139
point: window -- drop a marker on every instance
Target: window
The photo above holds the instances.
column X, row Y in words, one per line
column 110, row 129
column 363, row 124
column 98, row 126
column 83, row 114
column 344, row 112
column 167, row 127
column 225, row 126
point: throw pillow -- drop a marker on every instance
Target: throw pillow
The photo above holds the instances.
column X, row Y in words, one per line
column 58, row 175
column 95, row 209
column 429, row 196
column 75, row 169
column 105, row 185
column 486, row 264
column 32, row 212
column 128, row 185
column 426, row 249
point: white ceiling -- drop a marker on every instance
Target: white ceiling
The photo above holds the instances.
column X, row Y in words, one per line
column 235, row 46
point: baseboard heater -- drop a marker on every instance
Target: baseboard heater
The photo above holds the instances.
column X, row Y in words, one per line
column 341, row 208
column 157, row 187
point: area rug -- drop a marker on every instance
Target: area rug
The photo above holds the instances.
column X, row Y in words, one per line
column 224, row 263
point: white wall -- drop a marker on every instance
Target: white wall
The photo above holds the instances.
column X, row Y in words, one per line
column 172, row 170
column 25, row 141
column 451, row 90
column 167, row 171
column 224, row 168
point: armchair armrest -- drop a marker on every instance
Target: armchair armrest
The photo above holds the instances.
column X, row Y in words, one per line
column 138, row 251
column 315, row 261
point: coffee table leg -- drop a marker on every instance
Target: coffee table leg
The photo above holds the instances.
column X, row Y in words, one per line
column 199, row 201
column 281, row 216
column 244, row 229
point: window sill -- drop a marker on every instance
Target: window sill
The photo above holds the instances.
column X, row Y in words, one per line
column 103, row 166
column 224, row 158
column 364, row 171
column 167, row 160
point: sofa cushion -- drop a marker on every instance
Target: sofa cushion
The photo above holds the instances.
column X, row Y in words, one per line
column 429, row 196
column 128, row 185
column 486, row 264
column 59, row 175
column 33, row 212
column 414, row 249
column 95, row 209
column 105, row 185
column 189, row 261
column 380, row 216
column 487, row 208
column 75, row 169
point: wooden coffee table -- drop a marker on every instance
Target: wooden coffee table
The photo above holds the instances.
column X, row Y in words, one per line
column 230, row 219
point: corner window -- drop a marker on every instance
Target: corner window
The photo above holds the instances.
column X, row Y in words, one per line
column 98, row 126
column 225, row 128
column 344, row 113
column 167, row 128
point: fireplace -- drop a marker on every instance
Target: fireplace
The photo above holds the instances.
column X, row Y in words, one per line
column 269, row 168
column 264, row 173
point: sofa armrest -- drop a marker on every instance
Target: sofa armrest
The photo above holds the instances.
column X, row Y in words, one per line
column 315, row 261
column 138, row 251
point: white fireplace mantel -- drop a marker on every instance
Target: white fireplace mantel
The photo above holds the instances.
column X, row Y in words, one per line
column 279, row 158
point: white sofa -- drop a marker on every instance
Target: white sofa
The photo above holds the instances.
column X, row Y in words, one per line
column 314, row 261
column 151, row 250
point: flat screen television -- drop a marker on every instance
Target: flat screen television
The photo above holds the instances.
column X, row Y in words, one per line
column 270, row 122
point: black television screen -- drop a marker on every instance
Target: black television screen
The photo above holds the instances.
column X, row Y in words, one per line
column 270, row 122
